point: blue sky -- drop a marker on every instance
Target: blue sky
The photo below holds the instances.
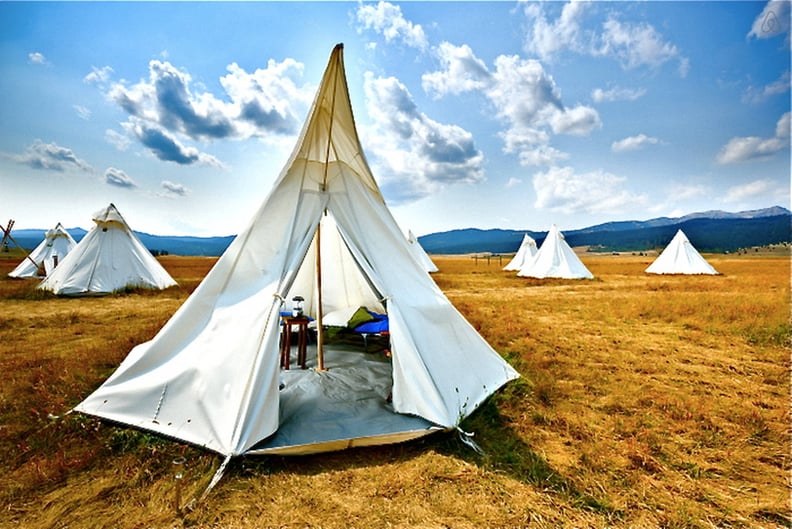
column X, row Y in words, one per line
column 472, row 114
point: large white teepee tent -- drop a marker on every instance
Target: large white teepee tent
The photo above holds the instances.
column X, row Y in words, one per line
column 110, row 257
column 555, row 259
column 680, row 257
column 211, row 376
column 46, row 256
column 524, row 254
column 420, row 254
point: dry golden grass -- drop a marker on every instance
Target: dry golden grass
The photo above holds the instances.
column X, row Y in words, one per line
column 645, row 402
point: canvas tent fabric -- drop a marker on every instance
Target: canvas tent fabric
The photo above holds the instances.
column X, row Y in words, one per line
column 525, row 253
column 210, row 377
column 109, row 258
column 44, row 258
column 420, row 254
column 680, row 257
column 555, row 259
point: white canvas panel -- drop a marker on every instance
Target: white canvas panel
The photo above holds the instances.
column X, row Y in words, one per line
column 680, row 257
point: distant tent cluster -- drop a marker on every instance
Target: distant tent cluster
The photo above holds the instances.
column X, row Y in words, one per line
column 556, row 259
column 109, row 258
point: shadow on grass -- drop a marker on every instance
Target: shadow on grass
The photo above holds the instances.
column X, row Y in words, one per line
column 504, row 452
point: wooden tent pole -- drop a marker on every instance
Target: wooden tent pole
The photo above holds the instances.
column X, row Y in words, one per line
column 319, row 311
column 319, row 330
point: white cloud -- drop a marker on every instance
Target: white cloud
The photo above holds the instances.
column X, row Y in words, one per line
column 167, row 109
column 118, row 178
column 546, row 39
column 561, row 189
column 743, row 149
column 527, row 99
column 119, row 141
column 82, row 112
column 387, row 19
column 37, row 58
column 538, row 155
column 165, row 146
column 98, row 76
column 166, row 99
column 617, row 94
column 758, row 95
column 684, row 67
column 575, row 121
column 772, row 21
column 748, row 191
column 633, row 143
column 633, row 45
column 415, row 154
column 462, row 71
column 49, row 157
column 267, row 100
column 513, row 182
column 173, row 189
column 687, row 191
column 783, row 126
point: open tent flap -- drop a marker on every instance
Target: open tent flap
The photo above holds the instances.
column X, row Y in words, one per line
column 345, row 285
column 442, row 368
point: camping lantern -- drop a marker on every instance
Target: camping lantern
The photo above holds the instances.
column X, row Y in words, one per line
column 297, row 307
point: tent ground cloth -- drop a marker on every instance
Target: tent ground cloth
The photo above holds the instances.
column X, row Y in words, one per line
column 344, row 406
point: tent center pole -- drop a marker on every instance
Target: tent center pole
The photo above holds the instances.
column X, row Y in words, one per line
column 319, row 310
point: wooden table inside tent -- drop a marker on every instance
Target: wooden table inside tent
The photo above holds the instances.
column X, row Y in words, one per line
column 302, row 339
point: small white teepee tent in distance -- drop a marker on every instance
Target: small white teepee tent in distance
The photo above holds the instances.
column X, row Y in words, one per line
column 680, row 257
column 555, row 259
column 211, row 376
column 46, row 256
column 524, row 254
column 420, row 254
column 110, row 257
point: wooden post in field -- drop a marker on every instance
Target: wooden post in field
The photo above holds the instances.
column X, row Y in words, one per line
column 7, row 237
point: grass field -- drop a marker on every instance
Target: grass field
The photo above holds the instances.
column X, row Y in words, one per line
column 645, row 402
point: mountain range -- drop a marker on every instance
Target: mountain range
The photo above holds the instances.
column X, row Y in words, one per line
column 708, row 231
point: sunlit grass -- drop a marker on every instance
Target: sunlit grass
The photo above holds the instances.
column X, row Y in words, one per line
column 645, row 402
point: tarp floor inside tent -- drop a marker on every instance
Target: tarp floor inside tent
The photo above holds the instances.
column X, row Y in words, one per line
column 343, row 406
